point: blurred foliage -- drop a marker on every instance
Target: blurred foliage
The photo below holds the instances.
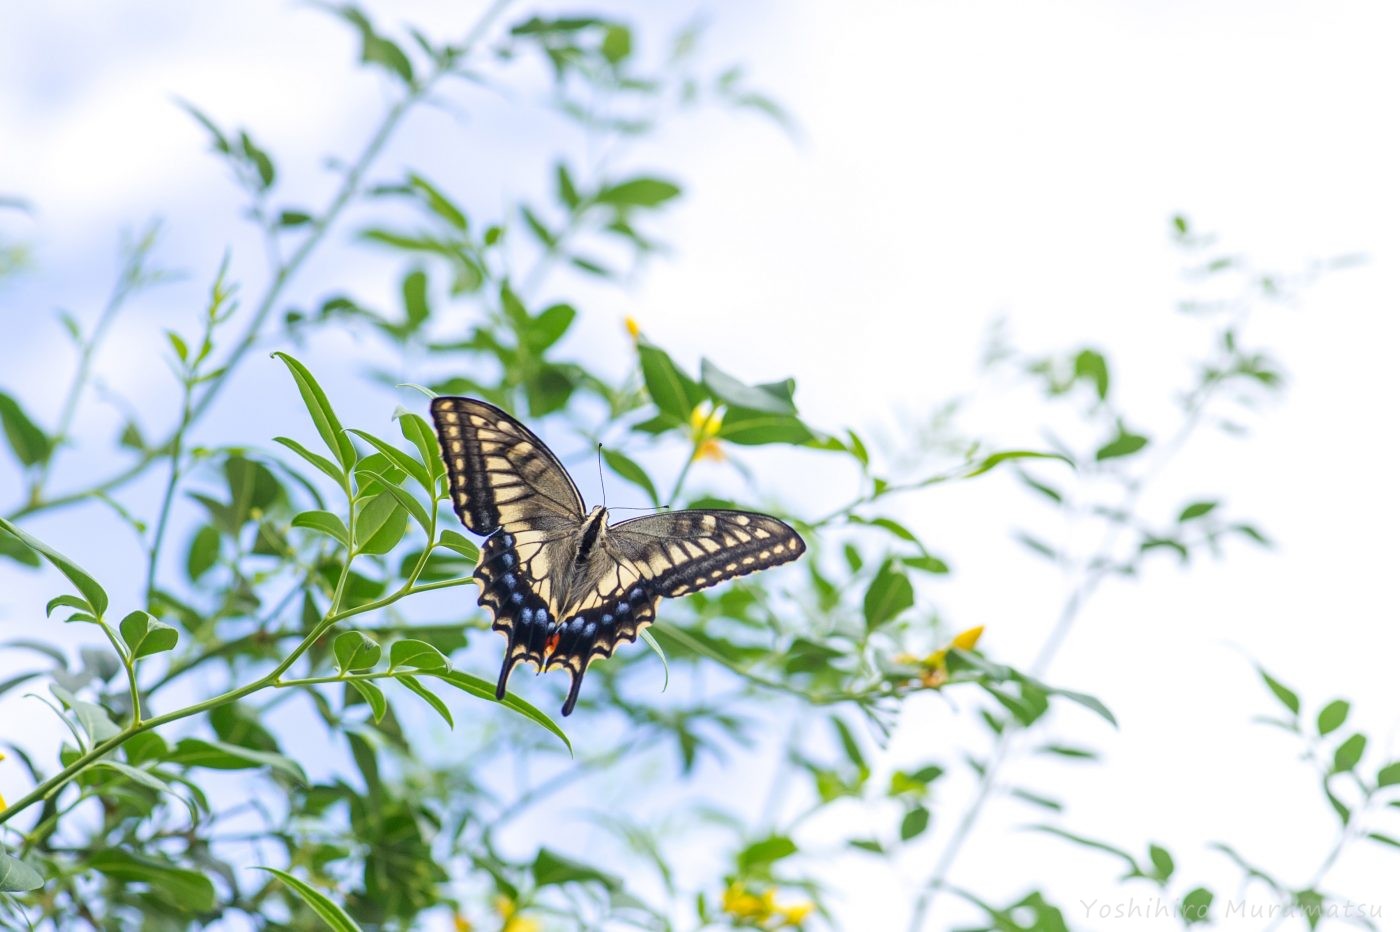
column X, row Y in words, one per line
column 300, row 560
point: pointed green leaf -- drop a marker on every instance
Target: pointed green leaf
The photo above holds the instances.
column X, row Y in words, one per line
column 323, row 906
column 96, row 596
column 17, row 876
column 322, row 415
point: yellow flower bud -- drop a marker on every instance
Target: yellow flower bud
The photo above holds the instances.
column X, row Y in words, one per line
column 634, row 329
column 461, row 923
column 968, row 639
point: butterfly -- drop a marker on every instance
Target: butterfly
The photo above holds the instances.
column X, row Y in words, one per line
column 563, row 585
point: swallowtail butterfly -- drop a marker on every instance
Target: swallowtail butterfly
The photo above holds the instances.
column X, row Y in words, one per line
column 563, row 585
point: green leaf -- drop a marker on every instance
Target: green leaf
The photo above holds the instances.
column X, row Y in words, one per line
column 550, row 869
column 1089, row 702
column 458, row 544
column 1090, row 843
column 674, row 392
column 1384, row 839
column 64, row 601
column 1332, row 716
column 258, row 159
column 988, row 463
column 17, row 876
column 96, row 596
column 411, row 683
column 550, row 326
column 325, row 523
column 1197, row 510
column 651, row 642
column 144, row 635
column 1162, row 862
column 1125, row 444
column 1389, row 775
column 1285, row 695
column 188, row 889
column 29, row 442
column 416, row 655
column 417, row 431
column 136, row 775
column 355, row 650
column 317, row 460
column 323, row 906
column 218, row 755
column 751, row 428
column 373, row 695
column 1063, row 750
column 765, row 852
column 914, row 823
column 203, row 553
column 322, row 415
column 439, row 203
column 735, row 393
column 1195, row 906
column 1091, row 366
column 482, row 689
column 639, row 192
column 1348, row 753
column 374, row 48
column 632, row 472
column 381, row 524
column 399, row 458
column 890, row 593
column 617, row 43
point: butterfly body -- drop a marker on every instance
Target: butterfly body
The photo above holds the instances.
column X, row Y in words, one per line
column 564, row 586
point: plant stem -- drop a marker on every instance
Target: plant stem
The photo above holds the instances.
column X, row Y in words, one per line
column 129, row 281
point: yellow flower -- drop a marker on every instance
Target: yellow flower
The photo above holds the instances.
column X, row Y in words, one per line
column 796, row 914
column 741, row 904
column 634, row 329
column 935, row 665
column 461, row 923
column 705, row 420
column 710, row 450
column 520, row 924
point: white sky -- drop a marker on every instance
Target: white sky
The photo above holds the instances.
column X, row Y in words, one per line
column 957, row 162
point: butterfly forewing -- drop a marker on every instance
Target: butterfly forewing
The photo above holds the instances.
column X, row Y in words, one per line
column 684, row 551
column 500, row 474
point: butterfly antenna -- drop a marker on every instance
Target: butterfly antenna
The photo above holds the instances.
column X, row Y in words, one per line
column 601, row 484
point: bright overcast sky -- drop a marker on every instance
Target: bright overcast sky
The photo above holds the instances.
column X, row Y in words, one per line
column 955, row 162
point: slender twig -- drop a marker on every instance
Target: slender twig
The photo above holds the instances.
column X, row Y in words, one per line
column 130, row 279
